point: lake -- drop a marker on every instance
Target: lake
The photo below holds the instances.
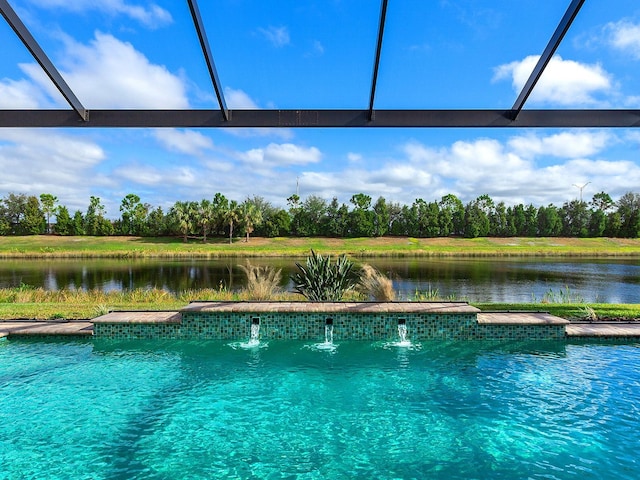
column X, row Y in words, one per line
column 507, row 280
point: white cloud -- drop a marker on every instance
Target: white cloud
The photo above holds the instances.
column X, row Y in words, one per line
column 239, row 100
column 152, row 16
column 20, row 94
column 141, row 174
column 279, row 155
column 278, row 36
column 47, row 161
column 354, row 157
column 510, row 172
column 564, row 82
column 625, row 35
column 572, row 144
column 109, row 73
column 167, row 178
column 188, row 142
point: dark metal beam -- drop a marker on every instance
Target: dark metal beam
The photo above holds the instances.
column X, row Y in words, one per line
column 323, row 118
column 552, row 46
column 376, row 63
column 206, row 50
column 24, row 34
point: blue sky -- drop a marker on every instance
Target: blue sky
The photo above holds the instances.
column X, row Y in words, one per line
column 319, row 54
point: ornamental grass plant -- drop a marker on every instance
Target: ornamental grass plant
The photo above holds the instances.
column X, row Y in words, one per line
column 263, row 282
column 375, row 285
column 319, row 280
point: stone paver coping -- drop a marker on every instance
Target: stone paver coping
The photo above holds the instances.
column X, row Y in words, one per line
column 331, row 307
column 519, row 318
column 603, row 329
column 32, row 327
column 139, row 317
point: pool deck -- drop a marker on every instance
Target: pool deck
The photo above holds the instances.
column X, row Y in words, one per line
column 85, row 328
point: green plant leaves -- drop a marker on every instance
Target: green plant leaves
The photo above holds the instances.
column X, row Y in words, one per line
column 318, row 280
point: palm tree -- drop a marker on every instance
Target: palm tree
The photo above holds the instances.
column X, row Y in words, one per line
column 205, row 217
column 231, row 216
column 251, row 216
column 183, row 213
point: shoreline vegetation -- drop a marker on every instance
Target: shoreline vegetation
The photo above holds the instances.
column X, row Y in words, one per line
column 28, row 303
column 51, row 246
column 37, row 304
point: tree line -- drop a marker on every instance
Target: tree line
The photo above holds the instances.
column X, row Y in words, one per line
column 315, row 216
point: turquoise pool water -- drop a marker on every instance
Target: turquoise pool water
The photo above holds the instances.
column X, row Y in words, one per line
column 172, row 410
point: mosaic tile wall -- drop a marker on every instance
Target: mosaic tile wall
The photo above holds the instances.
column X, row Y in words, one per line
column 148, row 331
column 346, row 326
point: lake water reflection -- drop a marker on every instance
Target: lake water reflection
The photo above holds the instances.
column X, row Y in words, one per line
column 475, row 279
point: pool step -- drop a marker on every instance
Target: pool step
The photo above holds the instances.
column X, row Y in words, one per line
column 42, row 328
column 611, row 330
column 146, row 317
column 520, row 318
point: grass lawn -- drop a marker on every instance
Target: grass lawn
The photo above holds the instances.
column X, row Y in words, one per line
column 45, row 246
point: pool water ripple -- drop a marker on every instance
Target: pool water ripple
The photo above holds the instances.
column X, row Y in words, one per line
column 111, row 410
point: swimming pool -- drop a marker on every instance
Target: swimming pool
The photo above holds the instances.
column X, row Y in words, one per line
column 105, row 409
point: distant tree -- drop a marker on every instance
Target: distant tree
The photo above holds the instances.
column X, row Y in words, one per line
column 232, row 217
column 78, row 224
column 251, row 216
column 183, row 215
column 361, row 218
column 424, row 219
column 381, row 218
column 95, row 222
column 597, row 223
column 531, row 221
column 499, row 222
column 219, row 204
column 575, row 219
column 157, row 223
column 517, row 219
column 395, row 218
column 549, row 221
column 34, row 222
column 629, row 211
column 602, row 201
column 614, row 223
column 451, row 216
column 307, row 217
column 476, row 217
column 134, row 214
column 64, row 224
column 205, row 217
column 13, row 211
column 48, row 202
column 277, row 223
column 335, row 221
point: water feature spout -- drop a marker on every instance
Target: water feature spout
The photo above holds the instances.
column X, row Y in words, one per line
column 328, row 332
column 402, row 330
column 255, row 330
column 328, row 344
column 254, row 334
column 402, row 334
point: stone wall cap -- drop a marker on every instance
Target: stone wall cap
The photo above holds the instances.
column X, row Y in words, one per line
column 331, row 307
